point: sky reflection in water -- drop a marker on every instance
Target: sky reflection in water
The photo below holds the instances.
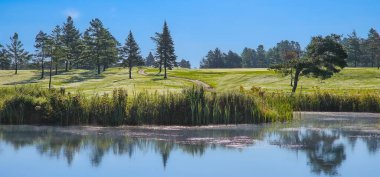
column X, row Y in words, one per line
column 318, row 144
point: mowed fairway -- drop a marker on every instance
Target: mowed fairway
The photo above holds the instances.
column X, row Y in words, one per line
column 88, row 82
column 350, row 79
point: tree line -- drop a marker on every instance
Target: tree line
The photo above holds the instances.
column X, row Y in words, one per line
column 362, row 52
column 96, row 48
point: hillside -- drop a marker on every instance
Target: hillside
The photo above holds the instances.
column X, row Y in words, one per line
column 350, row 79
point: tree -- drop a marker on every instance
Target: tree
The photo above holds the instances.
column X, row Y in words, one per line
column 16, row 52
column 41, row 50
column 149, row 61
column 324, row 57
column 131, row 54
column 261, row 63
column 232, row 60
column 373, row 47
column 71, row 42
column 353, row 49
column 101, row 46
column 57, row 54
column 184, row 64
column 213, row 59
column 247, row 57
column 165, row 49
column 5, row 62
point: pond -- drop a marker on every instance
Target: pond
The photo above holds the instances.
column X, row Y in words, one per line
column 314, row 144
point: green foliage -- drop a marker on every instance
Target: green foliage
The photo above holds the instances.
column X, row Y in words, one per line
column 17, row 53
column 165, row 51
column 130, row 53
column 191, row 107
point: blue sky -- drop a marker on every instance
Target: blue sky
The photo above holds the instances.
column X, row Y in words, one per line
column 196, row 25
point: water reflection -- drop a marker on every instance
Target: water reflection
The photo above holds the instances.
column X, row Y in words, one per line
column 324, row 141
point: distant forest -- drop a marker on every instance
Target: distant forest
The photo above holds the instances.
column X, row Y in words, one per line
column 362, row 52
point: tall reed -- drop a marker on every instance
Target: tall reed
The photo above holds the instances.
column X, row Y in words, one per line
column 193, row 106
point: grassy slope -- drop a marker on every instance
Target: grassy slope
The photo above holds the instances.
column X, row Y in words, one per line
column 350, row 79
column 90, row 83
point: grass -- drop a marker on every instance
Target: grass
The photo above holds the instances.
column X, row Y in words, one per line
column 193, row 106
column 89, row 83
column 350, row 80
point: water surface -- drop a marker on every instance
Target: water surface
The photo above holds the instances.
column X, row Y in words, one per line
column 315, row 144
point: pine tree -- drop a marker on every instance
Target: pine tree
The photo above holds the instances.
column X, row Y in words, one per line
column 57, row 54
column 110, row 52
column 261, row 57
column 5, row 62
column 373, row 47
column 165, row 49
column 247, row 58
column 71, row 41
column 184, row 64
column 149, row 61
column 41, row 46
column 101, row 46
column 353, row 49
column 131, row 54
column 16, row 52
column 232, row 60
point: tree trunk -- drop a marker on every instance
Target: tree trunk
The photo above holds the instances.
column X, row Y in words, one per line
column 56, row 69
column 165, row 75
column 98, row 68
column 16, row 68
column 130, row 72
column 51, row 67
column 67, row 66
column 291, row 77
column 296, row 78
column 42, row 69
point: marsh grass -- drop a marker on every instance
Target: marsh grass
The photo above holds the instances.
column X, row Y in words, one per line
column 193, row 106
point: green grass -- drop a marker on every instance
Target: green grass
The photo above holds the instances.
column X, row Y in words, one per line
column 89, row 83
column 350, row 80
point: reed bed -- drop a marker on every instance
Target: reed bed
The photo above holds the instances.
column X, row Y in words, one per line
column 194, row 106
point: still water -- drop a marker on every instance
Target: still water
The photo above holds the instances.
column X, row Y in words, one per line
column 315, row 144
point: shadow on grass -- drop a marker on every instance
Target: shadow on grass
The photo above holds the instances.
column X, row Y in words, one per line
column 35, row 79
column 158, row 79
column 81, row 77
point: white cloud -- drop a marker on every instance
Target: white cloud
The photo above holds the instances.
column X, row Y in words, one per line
column 72, row 13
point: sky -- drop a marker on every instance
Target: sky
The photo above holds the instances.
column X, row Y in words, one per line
column 197, row 26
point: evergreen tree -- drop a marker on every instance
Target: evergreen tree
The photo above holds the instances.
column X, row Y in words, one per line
column 165, row 49
column 71, row 42
column 159, row 52
column 232, row 60
column 16, row 52
column 261, row 63
column 57, row 54
column 101, row 46
column 247, row 58
column 184, row 64
column 41, row 50
column 353, row 49
column 5, row 62
column 131, row 54
column 149, row 61
column 110, row 52
column 373, row 47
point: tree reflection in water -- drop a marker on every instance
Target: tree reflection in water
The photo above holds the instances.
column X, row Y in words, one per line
column 325, row 148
